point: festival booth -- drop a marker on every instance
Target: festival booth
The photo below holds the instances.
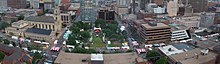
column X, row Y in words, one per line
column 142, row 50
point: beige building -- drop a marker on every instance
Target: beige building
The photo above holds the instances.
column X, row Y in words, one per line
column 37, row 27
column 172, row 8
column 155, row 32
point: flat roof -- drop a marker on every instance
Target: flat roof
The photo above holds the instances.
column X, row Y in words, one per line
column 175, row 27
column 174, row 51
column 97, row 57
column 76, row 58
column 159, row 26
column 39, row 31
column 48, row 19
column 189, row 57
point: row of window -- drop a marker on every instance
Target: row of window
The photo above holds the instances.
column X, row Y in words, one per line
column 45, row 26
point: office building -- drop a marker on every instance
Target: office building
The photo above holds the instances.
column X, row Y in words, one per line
column 153, row 32
column 3, row 4
column 108, row 15
column 35, row 4
column 207, row 20
column 17, row 3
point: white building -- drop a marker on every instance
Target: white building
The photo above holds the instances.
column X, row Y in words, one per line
column 170, row 50
column 34, row 4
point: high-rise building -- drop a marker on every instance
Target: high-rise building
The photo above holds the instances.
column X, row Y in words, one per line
column 207, row 20
column 197, row 5
column 17, row 3
column 121, row 2
column 3, row 4
column 88, row 12
column 35, row 4
column 172, row 8
column 155, row 32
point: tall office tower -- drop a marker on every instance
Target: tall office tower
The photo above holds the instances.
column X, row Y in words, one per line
column 3, row 4
column 172, row 8
column 197, row 5
column 34, row 3
column 123, row 2
column 17, row 3
column 88, row 11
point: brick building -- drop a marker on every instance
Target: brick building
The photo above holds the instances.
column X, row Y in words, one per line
column 17, row 3
column 153, row 32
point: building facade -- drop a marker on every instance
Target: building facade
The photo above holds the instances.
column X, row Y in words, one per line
column 207, row 20
column 3, row 4
column 38, row 27
column 155, row 33
column 17, row 3
column 35, row 4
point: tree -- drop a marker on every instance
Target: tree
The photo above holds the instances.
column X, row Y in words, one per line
column 71, row 41
column 107, row 32
column 21, row 17
column 82, row 50
column 3, row 25
column 162, row 60
column 2, row 55
column 85, row 34
column 36, row 57
column 100, row 23
column 114, row 22
column 112, row 27
column 6, row 41
column 152, row 55
column 75, row 29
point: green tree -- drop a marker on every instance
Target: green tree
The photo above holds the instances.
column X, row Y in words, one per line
column 2, row 55
column 71, row 41
column 107, row 32
column 75, row 29
column 85, row 34
column 162, row 60
column 20, row 17
column 100, row 23
column 6, row 41
column 114, row 22
column 37, row 56
column 3, row 25
column 112, row 27
column 82, row 50
column 152, row 53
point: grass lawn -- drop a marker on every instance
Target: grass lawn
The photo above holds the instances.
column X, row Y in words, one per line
column 97, row 42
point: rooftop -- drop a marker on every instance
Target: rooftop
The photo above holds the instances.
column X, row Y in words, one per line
column 39, row 31
column 120, row 58
column 97, row 57
column 17, row 55
column 175, row 27
column 173, row 51
column 189, row 57
column 159, row 26
column 19, row 24
column 48, row 19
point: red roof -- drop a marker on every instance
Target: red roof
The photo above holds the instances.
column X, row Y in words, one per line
column 65, row 1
